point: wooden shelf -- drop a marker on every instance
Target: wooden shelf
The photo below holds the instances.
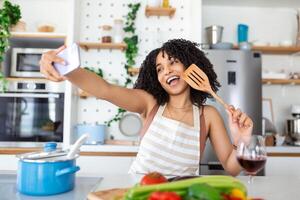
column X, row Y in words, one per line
column 134, row 71
column 83, row 94
column 25, row 79
column 159, row 11
column 38, row 35
column 98, row 45
column 281, row 81
column 275, row 49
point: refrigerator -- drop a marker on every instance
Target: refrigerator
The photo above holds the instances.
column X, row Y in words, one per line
column 239, row 73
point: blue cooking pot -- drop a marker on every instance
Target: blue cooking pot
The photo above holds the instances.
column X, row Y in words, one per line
column 46, row 173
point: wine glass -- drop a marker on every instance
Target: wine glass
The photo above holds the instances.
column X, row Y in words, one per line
column 251, row 154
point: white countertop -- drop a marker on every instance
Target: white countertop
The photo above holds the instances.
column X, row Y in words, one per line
column 268, row 188
column 84, row 148
column 8, row 190
column 124, row 148
column 128, row 148
column 283, row 149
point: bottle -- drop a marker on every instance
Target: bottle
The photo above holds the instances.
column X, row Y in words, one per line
column 165, row 3
column 118, row 31
column 242, row 33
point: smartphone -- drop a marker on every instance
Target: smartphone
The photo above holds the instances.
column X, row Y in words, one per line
column 71, row 57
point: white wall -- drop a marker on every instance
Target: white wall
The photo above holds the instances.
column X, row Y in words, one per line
column 36, row 12
column 265, row 24
column 272, row 25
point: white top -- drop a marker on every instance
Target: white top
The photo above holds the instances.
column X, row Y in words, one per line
column 169, row 146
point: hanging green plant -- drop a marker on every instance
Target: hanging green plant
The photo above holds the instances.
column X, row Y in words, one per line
column 98, row 71
column 9, row 15
column 131, row 52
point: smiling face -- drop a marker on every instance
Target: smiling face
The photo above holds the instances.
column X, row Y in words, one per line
column 168, row 71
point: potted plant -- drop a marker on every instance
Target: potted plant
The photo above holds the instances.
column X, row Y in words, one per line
column 9, row 15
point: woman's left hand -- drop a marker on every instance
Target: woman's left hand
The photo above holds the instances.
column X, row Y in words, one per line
column 240, row 124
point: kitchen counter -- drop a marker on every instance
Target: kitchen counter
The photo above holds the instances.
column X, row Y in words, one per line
column 125, row 150
column 9, row 148
column 83, row 186
column 268, row 188
column 284, row 151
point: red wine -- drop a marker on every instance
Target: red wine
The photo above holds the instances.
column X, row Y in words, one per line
column 252, row 165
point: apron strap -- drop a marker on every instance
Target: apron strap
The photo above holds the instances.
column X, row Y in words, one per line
column 148, row 120
column 203, row 133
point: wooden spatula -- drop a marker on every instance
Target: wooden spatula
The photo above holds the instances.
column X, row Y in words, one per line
column 198, row 80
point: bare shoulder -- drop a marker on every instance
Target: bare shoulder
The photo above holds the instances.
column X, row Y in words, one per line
column 210, row 112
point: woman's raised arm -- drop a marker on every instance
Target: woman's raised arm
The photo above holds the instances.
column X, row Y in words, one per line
column 133, row 100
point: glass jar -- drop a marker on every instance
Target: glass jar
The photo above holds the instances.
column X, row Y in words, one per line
column 154, row 3
column 106, row 34
column 118, row 31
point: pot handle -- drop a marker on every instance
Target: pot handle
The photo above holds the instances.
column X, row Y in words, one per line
column 69, row 170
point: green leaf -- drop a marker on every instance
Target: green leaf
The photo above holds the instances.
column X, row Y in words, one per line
column 9, row 15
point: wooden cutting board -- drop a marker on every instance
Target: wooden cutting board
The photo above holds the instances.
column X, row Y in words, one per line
column 111, row 194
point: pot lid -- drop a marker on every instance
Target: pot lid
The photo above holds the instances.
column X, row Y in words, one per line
column 50, row 153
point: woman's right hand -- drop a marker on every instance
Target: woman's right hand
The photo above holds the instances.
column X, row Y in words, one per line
column 46, row 64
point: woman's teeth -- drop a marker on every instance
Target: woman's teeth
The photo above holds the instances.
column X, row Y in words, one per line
column 171, row 79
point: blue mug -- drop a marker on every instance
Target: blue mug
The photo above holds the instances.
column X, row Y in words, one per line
column 96, row 132
column 242, row 33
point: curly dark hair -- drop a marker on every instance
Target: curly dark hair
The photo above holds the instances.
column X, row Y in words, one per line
column 187, row 53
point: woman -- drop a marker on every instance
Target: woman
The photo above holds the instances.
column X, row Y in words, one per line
column 171, row 141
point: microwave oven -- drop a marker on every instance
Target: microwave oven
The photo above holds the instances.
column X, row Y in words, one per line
column 25, row 62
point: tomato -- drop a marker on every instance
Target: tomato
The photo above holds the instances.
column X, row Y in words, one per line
column 164, row 196
column 153, row 178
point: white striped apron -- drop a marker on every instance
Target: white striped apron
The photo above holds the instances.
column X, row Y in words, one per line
column 169, row 147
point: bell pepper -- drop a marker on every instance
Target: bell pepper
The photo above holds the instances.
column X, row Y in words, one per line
column 164, row 196
column 203, row 192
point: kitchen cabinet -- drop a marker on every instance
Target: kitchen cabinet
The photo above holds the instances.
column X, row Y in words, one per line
column 282, row 166
column 89, row 165
column 97, row 165
column 93, row 159
column 283, row 161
